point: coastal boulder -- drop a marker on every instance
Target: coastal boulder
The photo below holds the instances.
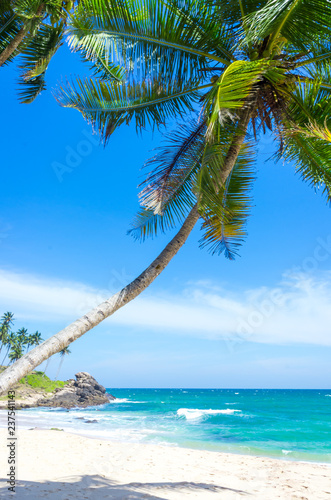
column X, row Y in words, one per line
column 82, row 392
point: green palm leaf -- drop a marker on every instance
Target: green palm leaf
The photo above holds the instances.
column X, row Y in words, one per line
column 150, row 37
column 232, row 89
column 108, row 105
column 312, row 158
column 36, row 57
column 225, row 207
column 9, row 27
column 304, row 23
column 167, row 191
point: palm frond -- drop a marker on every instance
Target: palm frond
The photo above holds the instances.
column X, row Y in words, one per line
column 36, row 57
column 167, row 192
column 231, row 91
column 150, row 37
column 108, row 105
column 312, row 159
column 225, row 207
column 32, row 89
column 26, row 9
column 304, row 23
column 234, row 13
column 310, row 103
column 10, row 25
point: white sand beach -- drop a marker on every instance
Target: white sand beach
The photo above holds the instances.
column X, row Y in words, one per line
column 56, row 465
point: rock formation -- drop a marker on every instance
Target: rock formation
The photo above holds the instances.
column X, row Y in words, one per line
column 84, row 391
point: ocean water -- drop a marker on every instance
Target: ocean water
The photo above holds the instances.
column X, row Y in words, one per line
column 288, row 424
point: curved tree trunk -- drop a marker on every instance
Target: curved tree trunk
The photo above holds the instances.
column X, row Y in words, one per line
column 82, row 325
column 17, row 40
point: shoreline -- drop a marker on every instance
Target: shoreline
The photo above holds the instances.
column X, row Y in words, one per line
column 35, row 425
column 67, row 465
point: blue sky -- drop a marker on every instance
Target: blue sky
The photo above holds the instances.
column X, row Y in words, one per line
column 259, row 321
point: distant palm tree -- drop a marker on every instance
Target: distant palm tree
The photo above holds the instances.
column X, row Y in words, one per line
column 247, row 66
column 30, row 342
column 15, row 353
column 22, row 337
column 20, row 340
column 62, row 353
column 10, row 343
column 5, row 326
column 36, row 338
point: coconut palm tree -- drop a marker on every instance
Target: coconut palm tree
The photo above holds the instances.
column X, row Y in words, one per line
column 29, row 342
column 5, row 327
column 62, row 353
column 10, row 343
column 36, row 338
column 16, row 353
column 246, row 67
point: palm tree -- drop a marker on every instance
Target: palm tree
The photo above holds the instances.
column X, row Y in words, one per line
column 15, row 353
column 62, row 353
column 10, row 343
column 246, row 67
column 29, row 342
column 5, row 327
column 36, row 338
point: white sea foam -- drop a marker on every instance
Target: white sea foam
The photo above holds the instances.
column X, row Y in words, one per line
column 120, row 400
column 125, row 400
column 192, row 414
column 286, row 452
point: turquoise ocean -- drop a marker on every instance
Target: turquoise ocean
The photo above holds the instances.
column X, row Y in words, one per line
column 287, row 424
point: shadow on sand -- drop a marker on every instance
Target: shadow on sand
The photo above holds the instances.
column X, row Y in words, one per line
column 98, row 488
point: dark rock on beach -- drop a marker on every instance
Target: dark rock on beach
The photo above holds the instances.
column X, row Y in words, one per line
column 82, row 392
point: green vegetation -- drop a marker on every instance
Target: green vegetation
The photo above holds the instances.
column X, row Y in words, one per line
column 16, row 344
column 38, row 380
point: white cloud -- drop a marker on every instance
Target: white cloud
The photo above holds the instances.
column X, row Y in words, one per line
column 297, row 310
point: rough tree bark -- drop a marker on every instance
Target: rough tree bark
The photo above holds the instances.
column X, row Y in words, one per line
column 82, row 325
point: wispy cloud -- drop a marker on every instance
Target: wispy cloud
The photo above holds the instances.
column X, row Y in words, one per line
column 296, row 310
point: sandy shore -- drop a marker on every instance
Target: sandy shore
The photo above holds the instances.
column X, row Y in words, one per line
column 56, row 465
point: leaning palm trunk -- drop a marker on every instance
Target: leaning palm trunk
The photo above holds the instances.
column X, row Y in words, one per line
column 82, row 325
